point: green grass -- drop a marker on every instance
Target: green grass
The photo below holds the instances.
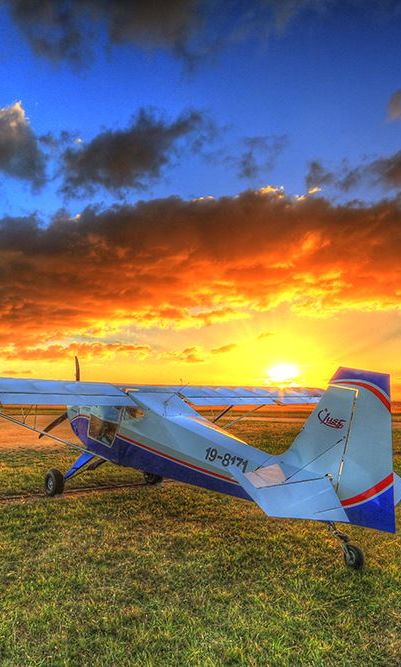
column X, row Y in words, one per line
column 174, row 575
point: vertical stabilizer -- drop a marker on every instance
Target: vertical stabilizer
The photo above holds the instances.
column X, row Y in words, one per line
column 348, row 438
column 366, row 479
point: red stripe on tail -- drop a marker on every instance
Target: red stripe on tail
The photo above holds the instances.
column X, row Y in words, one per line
column 369, row 387
column 365, row 495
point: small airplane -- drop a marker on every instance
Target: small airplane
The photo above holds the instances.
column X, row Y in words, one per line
column 339, row 469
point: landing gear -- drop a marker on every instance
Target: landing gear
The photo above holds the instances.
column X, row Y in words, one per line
column 54, row 483
column 353, row 555
column 151, row 478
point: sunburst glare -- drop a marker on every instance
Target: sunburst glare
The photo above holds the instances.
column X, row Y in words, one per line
column 283, row 374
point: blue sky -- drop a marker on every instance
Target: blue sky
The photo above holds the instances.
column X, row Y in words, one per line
column 323, row 81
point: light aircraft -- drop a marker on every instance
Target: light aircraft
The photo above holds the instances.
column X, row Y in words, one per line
column 339, row 469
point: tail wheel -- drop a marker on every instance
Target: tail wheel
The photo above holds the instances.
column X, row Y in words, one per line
column 353, row 556
column 54, row 483
column 151, row 478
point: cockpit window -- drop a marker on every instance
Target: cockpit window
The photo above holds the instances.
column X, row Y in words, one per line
column 103, row 424
column 134, row 413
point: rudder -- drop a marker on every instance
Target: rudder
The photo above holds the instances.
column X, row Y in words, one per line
column 348, row 437
column 366, row 479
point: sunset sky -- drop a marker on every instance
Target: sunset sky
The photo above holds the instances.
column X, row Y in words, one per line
column 199, row 191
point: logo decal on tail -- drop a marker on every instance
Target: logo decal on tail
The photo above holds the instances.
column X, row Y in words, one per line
column 326, row 419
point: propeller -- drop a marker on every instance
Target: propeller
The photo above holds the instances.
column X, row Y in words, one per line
column 53, row 424
column 77, row 370
column 61, row 418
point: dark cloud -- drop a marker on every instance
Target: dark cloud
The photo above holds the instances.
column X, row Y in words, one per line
column 20, row 153
column 343, row 178
column 55, row 141
column 318, row 176
column 383, row 172
column 259, row 155
column 281, row 13
column 394, row 106
column 134, row 157
column 60, row 29
column 252, row 157
column 175, row 263
column 191, row 29
column 386, row 171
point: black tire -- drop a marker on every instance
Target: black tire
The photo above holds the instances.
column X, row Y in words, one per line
column 151, row 478
column 353, row 556
column 54, row 483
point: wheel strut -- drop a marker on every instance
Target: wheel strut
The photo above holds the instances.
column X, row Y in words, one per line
column 353, row 555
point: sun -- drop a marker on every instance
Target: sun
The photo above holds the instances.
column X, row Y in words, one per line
column 283, row 374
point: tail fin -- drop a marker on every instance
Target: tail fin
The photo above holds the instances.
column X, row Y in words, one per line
column 348, row 436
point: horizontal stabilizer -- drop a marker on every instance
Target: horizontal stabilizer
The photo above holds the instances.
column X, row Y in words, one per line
column 58, row 392
column 309, row 497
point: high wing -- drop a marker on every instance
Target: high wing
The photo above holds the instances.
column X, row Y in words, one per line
column 58, row 392
column 36, row 392
column 233, row 396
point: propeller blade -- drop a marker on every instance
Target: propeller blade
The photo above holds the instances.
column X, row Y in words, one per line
column 64, row 416
column 54, row 423
column 77, row 370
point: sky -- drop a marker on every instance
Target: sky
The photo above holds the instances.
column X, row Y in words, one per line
column 197, row 191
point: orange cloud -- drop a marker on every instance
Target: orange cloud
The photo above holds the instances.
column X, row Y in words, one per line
column 224, row 348
column 174, row 263
column 8, row 372
column 191, row 355
column 82, row 350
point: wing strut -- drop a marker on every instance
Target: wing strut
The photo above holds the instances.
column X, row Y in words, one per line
column 222, row 413
column 235, row 421
column 18, row 422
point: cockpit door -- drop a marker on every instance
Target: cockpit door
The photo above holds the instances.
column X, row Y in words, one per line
column 103, row 424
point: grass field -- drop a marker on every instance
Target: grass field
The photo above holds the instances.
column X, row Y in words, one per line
column 173, row 575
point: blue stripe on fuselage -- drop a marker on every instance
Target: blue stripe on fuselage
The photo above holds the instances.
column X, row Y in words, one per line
column 131, row 455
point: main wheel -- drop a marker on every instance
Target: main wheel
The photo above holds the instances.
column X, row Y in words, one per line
column 353, row 556
column 54, row 483
column 151, row 478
